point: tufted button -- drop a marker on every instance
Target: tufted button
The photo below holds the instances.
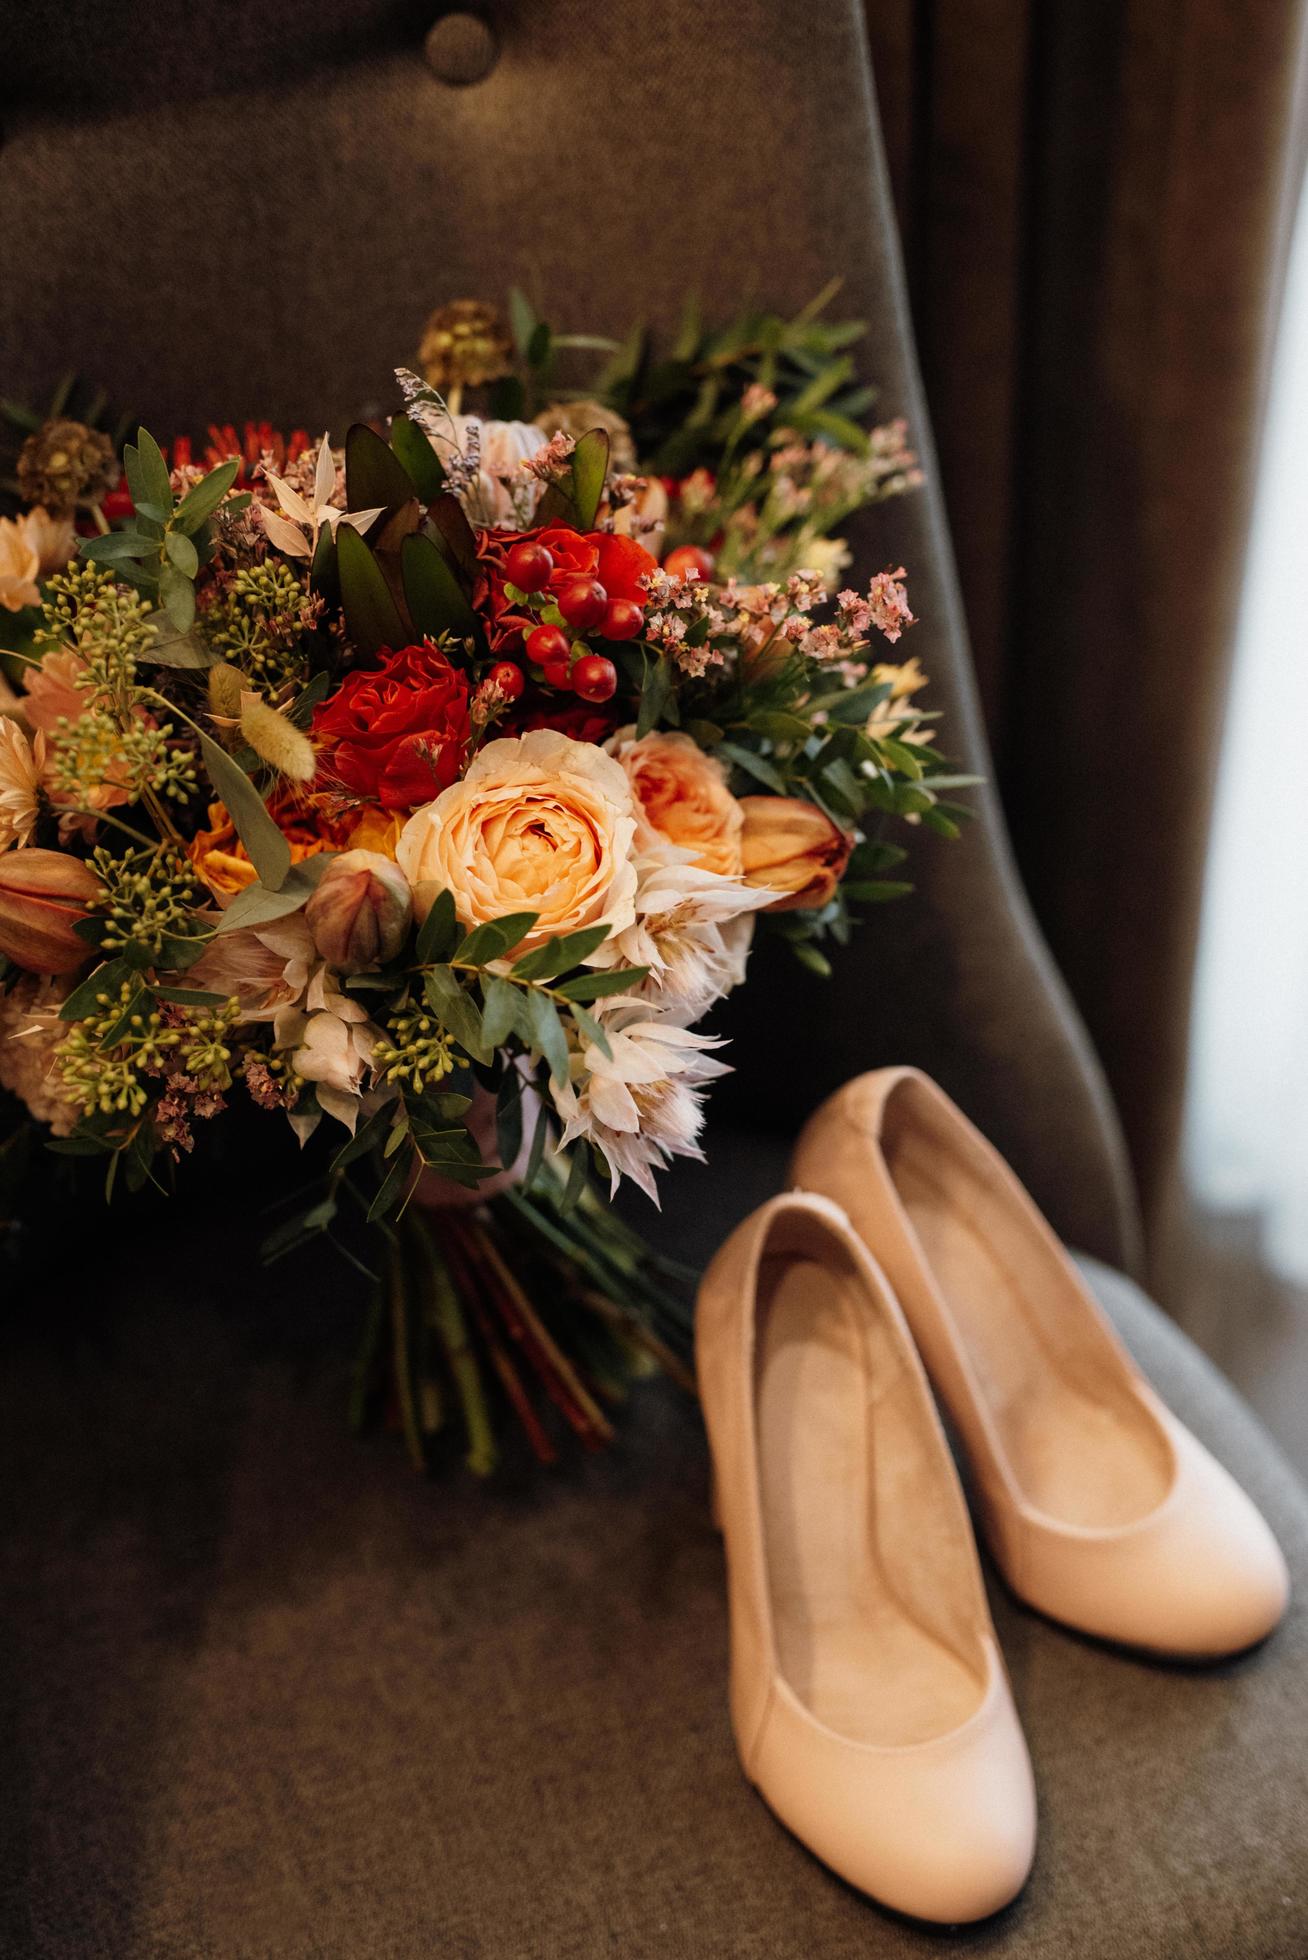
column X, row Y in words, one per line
column 461, row 48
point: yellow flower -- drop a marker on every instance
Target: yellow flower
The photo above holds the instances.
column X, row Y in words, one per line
column 540, row 823
column 905, row 681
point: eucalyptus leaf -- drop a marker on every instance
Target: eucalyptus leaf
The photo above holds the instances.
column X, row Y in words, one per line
column 151, row 472
column 177, row 596
column 204, row 498
column 182, row 553
column 259, row 905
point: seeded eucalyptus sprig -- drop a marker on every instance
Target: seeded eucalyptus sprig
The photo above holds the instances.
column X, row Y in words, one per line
column 167, row 539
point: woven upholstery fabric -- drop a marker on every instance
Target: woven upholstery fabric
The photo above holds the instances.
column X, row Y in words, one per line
column 225, row 216
column 270, row 1694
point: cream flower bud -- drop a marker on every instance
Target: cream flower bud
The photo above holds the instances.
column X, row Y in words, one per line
column 360, row 913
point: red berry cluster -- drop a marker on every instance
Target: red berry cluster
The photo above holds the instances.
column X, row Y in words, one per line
column 586, row 607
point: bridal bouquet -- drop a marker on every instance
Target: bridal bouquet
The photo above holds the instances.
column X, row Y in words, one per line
column 430, row 791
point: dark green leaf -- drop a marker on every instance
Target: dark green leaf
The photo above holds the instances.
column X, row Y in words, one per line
column 419, row 460
column 375, row 478
column 370, row 612
column 456, row 1011
column 402, row 1174
column 437, row 602
column 201, row 501
column 457, row 538
column 190, row 997
column 127, row 543
column 547, row 1035
column 874, row 891
column 591, row 1029
column 508, row 1118
column 269, row 852
column 654, row 694
column 151, row 472
column 368, row 1134
column 557, row 955
column 494, row 939
column 757, row 766
column 504, row 1012
column 590, row 466
column 439, row 932
column 576, row 1183
column 84, row 999
column 594, row 986
column 539, row 1138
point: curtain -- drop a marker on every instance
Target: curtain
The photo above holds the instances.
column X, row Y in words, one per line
column 1096, row 199
column 1247, row 1128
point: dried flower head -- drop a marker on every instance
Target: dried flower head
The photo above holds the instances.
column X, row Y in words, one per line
column 63, row 463
column 464, row 345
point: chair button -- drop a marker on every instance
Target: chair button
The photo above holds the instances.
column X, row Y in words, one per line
column 460, row 49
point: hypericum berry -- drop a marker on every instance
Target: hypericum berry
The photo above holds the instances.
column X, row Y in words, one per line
column 623, row 620
column 529, row 567
column 688, row 559
column 508, row 678
column 557, row 674
column 582, row 602
column 594, row 678
column 548, row 643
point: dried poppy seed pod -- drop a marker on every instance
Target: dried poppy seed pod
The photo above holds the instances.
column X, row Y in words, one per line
column 43, row 896
column 360, row 913
column 794, row 849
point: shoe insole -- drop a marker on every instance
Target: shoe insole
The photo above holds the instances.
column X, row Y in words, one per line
column 1082, row 1449
column 850, row 1650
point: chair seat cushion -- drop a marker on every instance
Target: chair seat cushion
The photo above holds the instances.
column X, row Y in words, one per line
column 273, row 1694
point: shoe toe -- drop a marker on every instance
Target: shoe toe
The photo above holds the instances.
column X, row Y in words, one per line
column 944, row 1831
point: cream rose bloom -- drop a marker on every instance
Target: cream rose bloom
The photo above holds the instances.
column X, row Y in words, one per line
column 540, row 823
column 682, row 796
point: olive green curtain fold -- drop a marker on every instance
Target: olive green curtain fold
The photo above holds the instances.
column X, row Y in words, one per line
column 1096, row 198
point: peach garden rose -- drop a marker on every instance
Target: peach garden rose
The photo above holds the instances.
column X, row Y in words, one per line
column 683, row 796
column 540, row 823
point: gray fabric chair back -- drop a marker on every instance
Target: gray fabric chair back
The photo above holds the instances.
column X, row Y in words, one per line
column 234, row 210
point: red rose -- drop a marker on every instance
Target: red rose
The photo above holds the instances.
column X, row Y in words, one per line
column 622, row 564
column 397, row 735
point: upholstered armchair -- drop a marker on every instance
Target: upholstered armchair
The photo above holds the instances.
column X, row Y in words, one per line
column 271, row 1696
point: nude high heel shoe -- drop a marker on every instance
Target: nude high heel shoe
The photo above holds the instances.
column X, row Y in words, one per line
column 868, row 1697
column 1100, row 1508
